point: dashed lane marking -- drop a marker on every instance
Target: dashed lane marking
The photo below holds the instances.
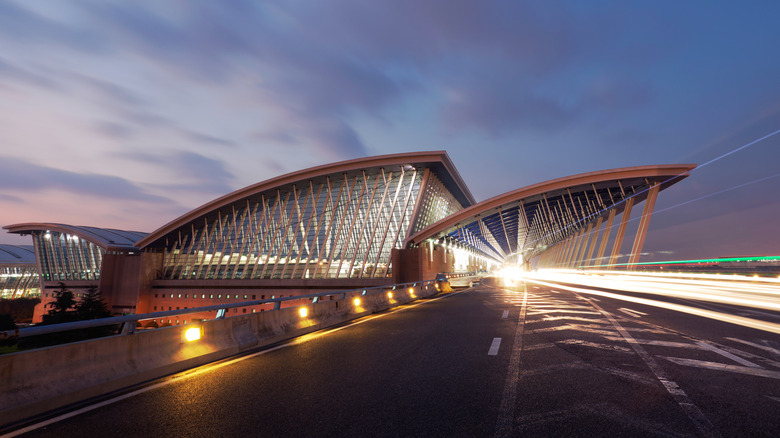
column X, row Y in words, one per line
column 506, row 313
column 723, row 367
column 724, row 353
column 494, row 347
column 506, row 411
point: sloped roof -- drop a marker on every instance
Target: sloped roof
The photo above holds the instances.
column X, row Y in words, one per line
column 438, row 161
column 523, row 221
column 106, row 238
column 16, row 254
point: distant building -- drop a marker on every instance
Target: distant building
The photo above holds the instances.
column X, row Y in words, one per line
column 352, row 224
column 18, row 272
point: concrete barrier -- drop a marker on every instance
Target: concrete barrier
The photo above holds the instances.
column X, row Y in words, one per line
column 37, row 381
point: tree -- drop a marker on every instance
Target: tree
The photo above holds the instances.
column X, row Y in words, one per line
column 92, row 306
column 61, row 308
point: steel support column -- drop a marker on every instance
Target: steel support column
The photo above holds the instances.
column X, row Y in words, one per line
column 592, row 246
column 621, row 231
column 605, row 237
column 644, row 223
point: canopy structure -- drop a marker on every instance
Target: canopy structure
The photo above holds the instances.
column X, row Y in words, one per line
column 71, row 252
column 529, row 222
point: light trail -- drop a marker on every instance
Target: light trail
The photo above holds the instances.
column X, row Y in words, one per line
column 760, row 293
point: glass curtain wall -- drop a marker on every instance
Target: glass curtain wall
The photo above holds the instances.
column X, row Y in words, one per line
column 19, row 282
column 437, row 203
column 67, row 257
column 336, row 226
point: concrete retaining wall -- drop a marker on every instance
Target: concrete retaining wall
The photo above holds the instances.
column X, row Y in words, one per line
column 37, row 381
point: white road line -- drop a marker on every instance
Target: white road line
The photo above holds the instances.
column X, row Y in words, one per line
column 506, row 411
column 574, row 327
column 724, row 367
column 686, row 404
column 494, row 347
column 632, row 312
column 608, row 347
column 580, row 312
column 733, row 357
column 569, row 318
column 506, row 313
column 658, row 343
column 210, row 367
column 759, row 346
column 771, row 397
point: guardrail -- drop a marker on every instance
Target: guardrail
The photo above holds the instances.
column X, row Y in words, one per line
column 128, row 322
column 38, row 380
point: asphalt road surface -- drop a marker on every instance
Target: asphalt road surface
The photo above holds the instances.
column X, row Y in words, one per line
column 491, row 361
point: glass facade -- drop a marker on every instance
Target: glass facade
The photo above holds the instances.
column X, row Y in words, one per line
column 342, row 225
column 65, row 256
column 19, row 282
column 437, row 203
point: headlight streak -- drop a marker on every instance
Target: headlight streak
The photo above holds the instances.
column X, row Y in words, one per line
column 768, row 297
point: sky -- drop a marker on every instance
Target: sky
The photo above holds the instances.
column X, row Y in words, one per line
column 129, row 114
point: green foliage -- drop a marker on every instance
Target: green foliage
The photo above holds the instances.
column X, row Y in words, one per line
column 92, row 306
column 62, row 308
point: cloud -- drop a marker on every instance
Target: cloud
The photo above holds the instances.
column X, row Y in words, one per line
column 197, row 173
column 10, row 71
column 11, row 198
column 18, row 174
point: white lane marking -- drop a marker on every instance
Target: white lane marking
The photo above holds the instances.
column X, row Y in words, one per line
column 210, row 367
column 630, row 312
column 608, row 347
column 506, row 313
column 724, row 367
column 658, row 343
column 579, row 312
column 506, row 411
column 686, row 404
column 575, row 327
column 569, row 318
column 771, row 397
column 733, row 357
column 759, row 346
column 494, row 347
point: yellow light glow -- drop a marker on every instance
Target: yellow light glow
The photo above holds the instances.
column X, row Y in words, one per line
column 390, row 295
column 411, row 290
column 303, row 312
column 192, row 334
column 357, row 301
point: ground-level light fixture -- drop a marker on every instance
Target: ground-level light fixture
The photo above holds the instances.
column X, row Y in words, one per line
column 356, row 301
column 390, row 295
column 192, row 334
column 304, row 312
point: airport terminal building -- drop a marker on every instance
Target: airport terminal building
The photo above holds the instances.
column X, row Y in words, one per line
column 364, row 222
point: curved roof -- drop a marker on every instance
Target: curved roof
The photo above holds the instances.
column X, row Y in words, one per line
column 532, row 218
column 438, row 161
column 106, row 238
column 17, row 254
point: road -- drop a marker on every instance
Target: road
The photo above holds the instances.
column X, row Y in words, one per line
column 525, row 360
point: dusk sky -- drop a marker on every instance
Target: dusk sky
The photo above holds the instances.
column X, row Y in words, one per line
column 127, row 114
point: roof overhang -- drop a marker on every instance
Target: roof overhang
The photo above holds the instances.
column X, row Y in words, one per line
column 665, row 175
column 438, row 161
